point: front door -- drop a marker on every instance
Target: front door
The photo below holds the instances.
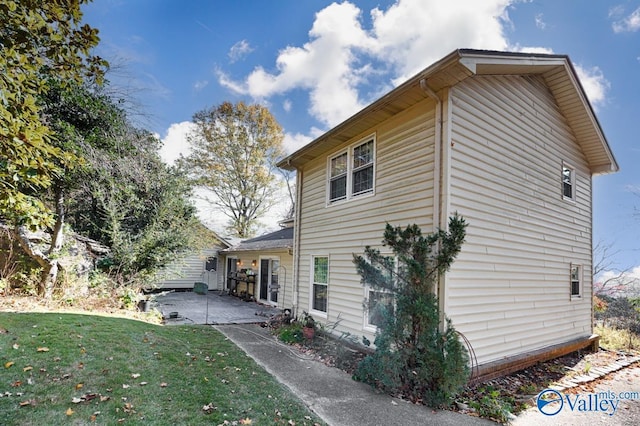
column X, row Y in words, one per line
column 232, row 267
column 269, row 284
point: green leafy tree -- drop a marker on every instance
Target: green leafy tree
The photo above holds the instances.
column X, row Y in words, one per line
column 134, row 203
column 234, row 149
column 38, row 39
column 418, row 354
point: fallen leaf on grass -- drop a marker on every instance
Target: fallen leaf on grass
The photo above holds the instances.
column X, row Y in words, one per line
column 42, row 349
column 125, row 386
column 69, row 412
column 79, row 386
column 28, row 402
column 246, row 421
column 16, row 384
column 104, row 398
column 163, row 385
column 143, row 383
column 15, row 346
column 135, row 375
column 8, row 364
column 209, row 408
column 27, row 368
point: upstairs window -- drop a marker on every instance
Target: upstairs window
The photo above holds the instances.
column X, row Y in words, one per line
column 362, row 168
column 351, row 173
column 338, row 178
column 576, row 281
column 568, row 182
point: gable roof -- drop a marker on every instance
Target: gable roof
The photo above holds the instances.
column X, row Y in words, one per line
column 281, row 239
column 557, row 71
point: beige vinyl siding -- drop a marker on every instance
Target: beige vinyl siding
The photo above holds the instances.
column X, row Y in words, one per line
column 403, row 194
column 509, row 290
column 183, row 273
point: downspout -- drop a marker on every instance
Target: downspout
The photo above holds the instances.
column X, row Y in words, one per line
column 436, row 152
column 440, row 183
column 296, row 243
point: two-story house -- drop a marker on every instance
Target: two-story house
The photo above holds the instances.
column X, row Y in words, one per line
column 507, row 140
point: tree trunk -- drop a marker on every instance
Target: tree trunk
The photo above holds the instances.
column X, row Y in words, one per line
column 50, row 267
column 57, row 238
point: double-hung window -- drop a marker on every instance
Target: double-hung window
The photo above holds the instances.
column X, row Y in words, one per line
column 576, row 281
column 338, row 178
column 351, row 172
column 320, row 283
column 568, row 182
column 380, row 302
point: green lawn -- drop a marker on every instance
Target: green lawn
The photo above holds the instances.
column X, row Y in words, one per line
column 80, row 369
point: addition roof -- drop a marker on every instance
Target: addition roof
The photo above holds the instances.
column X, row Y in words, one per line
column 281, row 239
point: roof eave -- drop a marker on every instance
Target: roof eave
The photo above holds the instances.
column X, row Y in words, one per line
column 461, row 64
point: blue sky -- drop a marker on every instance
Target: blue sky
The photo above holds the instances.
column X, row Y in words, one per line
column 314, row 63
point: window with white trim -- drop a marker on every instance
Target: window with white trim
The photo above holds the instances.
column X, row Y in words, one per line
column 576, row 281
column 568, row 182
column 376, row 304
column 319, row 283
column 351, row 173
column 378, row 301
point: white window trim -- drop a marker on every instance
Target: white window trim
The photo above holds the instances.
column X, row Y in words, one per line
column 366, row 326
column 350, row 170
column 573, row 182
column 580, row 281
column 320, row 314
column 267, row 257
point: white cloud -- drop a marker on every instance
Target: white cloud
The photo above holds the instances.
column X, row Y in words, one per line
column 540, row 22
column 293, row 142
column 594, row 83
column 630, row 23
column 286, row 105
column 175, row 142
column 412, row 34
column 404, row 39
column 239, row 50
column 200, row 84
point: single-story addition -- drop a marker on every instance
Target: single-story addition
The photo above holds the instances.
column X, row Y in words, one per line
column 507, row 140
column 201, row 265
column 261, row 268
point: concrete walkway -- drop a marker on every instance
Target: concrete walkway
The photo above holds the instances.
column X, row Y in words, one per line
column 330, row 392
column 212, row 308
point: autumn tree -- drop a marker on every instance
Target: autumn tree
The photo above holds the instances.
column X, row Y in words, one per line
column 417, row 354
column 234, row 149
column 38, row 40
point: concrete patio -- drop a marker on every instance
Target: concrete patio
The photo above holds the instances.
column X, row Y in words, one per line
column 210, row 308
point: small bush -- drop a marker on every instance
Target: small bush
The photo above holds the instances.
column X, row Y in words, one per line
column 617, row 340
column 493, row 405
column 291, row 333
